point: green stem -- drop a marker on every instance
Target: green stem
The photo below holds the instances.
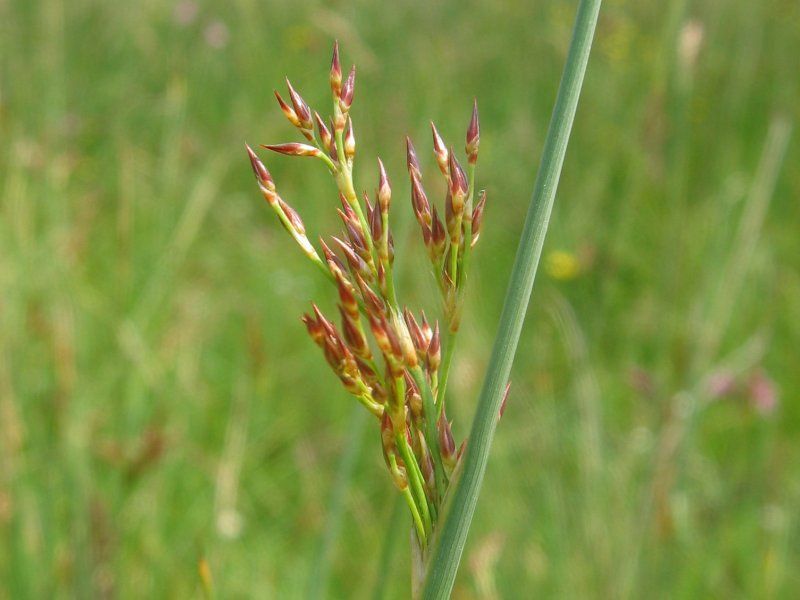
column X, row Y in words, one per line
column 431, row 434
column 415, row 480
column 457, row 517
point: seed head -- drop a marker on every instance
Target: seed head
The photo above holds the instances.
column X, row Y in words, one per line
column 325, row 135
column 334, row 262
column 419, row 202
column 300, row 108
column 439, row 235
column 415, row 331
column 346, row 93
column 373, row 302
column 349, row 140
column 440, row 150
column 347, row 295
column 446, row 441
column 357, row 264
column 355, row 338
column 336, row 71
column 412, row 162
column 262, row 175
column 458, row 184
column 293, row 217
column 375, row 221
column 315, row 329
column 384, row 190
column 435, row 350
column 473, row 135
column 293, row 149
column 288, row 111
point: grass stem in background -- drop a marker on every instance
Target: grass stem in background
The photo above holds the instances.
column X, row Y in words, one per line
column 451, row 537
column 318, row 582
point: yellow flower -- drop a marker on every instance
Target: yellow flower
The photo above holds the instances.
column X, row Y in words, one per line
column 562, row 265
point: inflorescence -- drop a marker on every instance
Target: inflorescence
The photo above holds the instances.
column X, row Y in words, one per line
column 401, row 375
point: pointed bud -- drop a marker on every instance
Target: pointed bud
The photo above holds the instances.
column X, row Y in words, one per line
column 439, row 150
column 294, row 218
column 412, row 162
column 349, row 140
column 415, row 332
column 372, row 301
column 375, row 222
column 288, row 111
column 293, row 149
column 458, row 184
column 354, row 233
column 419, row 201
column 325, row 135
column 334, row 262
column 262, row 175
column 439, row 236
column 379, row 332
column 477, row 217
column 336, row 71
column 384, row 190
column 328, row 327
column 425, row 328
column 413, row 398
column 347, row 295
column 300, row 107
column 446, row 442
column 355, row 339
column 473, row 135
column 407, row 349
column 357, row 264
column 435, row 349
column 346, row 94
column 315, row 329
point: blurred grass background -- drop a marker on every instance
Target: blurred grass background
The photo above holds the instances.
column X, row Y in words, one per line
column 160, row 403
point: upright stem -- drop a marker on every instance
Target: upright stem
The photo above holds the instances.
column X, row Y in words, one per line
column 449, row 543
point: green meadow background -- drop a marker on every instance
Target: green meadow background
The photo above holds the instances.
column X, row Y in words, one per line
column 163, row 413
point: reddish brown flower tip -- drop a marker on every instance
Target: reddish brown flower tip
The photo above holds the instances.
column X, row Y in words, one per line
column 435, row 349
column 439, row 149
column 315, row 329
column 439, row 234
column 412, row 162
column 384, row 189
column 458, row 179
column 294, row 218
column 419, row 202
column 288, row 111
column 262, row 175
column 293, row 149
column 325, row 135
column 300, row 107
column 446, row 442
column 336, row 70
column 346, row 94
column 473, row 135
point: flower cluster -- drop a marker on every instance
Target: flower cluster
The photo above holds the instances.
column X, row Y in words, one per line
column 390, row 359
